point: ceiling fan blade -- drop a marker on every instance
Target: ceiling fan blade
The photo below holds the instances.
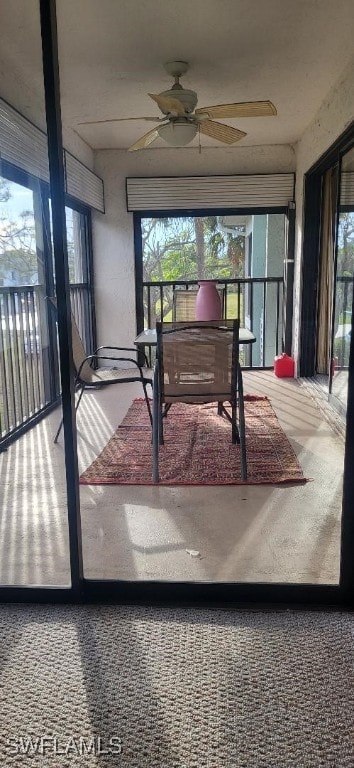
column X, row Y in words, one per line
column 122, row 120
column 242, row 109
column 168, row 104
column 145, row 140
column 220, row 131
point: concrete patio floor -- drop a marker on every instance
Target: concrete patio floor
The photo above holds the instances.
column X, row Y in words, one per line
column 243, row 533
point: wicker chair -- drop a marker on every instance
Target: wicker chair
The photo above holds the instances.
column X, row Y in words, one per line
column 90, row 378
column 198, row 363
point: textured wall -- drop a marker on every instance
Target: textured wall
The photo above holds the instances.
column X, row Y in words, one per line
column 113, row 232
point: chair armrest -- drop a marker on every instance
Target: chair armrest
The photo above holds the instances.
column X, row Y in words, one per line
column 124, row 349
column 120, row 349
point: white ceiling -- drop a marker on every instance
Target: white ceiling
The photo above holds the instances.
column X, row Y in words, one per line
column 112, row 52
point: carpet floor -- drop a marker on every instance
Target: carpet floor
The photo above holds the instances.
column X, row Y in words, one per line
column 197, row 449
column 175, row 688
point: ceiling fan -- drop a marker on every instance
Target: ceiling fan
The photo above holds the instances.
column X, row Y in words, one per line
column 182, row 121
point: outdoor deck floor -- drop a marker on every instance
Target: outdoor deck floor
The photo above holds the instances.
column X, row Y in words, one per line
column 248, row 533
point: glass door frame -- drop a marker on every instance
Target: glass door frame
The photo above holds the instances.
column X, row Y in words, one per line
column 310, row 265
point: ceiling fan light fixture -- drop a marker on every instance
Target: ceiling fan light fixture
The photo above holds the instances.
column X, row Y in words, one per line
column 178, row 133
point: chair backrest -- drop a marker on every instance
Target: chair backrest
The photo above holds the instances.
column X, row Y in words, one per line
column 183, row 306
column 198, row 361
column 78, row 348
column 183, row 303
column 79, row 352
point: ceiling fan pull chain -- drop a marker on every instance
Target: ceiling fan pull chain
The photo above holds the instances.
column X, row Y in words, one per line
column 181, row 121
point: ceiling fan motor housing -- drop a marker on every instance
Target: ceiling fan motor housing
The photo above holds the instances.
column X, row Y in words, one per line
column 188, row 98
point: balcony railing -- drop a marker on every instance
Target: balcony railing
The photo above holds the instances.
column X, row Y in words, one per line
column 28, row 345
column 257, row 302
column 28, row 352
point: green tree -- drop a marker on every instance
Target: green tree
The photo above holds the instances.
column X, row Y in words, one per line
column 200, row 245
column 345, row 260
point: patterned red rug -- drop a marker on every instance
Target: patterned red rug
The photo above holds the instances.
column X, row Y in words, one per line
column 197, row 450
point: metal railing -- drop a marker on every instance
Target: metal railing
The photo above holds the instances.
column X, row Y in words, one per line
column 80, row 299
column 343, row 318
column 28, row 353
column 257, row 302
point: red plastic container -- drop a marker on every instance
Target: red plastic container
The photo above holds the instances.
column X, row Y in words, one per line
column 284, row 366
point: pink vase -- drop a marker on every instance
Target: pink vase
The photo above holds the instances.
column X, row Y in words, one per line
column 208, row 303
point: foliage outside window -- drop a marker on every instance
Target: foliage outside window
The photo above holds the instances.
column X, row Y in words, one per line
column 75, row 237
column 191, row 248
column 76, row 244
column 345, row 258
column 28, row 349
column 18, row 253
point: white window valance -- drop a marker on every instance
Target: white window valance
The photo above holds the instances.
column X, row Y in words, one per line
column 24, row 145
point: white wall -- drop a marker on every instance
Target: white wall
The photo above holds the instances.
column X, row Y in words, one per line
column 78, row 148
column 334, row 116
column 113, row 239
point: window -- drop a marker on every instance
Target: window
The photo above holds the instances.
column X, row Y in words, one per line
column 25, row 386
column 77, row 235
column 193, row 247
column 244, row 252
column 76, row 241
column 18, row 252
column 29, row 379
column 79, row 263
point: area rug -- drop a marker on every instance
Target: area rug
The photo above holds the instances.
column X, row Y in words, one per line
column 198, row 449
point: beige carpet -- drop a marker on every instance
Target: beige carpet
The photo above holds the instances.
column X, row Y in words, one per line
column 176, row 688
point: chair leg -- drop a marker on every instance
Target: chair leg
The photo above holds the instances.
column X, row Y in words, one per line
column 80, row 396
column 161, row 438
column 242, row 426
column 155, row 428
column 76, row 407
column 166, row 410
column 147, row 401
column 58, row 431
